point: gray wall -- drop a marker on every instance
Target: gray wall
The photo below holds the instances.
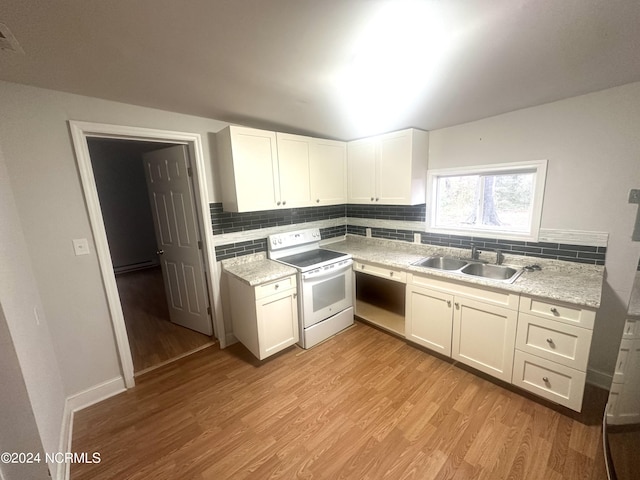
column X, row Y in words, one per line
column 124, row 201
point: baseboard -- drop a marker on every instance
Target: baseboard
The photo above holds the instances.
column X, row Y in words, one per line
column 230, row 339
column 599, row 379
column 75, row 403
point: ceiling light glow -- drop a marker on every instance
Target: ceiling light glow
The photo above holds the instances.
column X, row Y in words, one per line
column 393, row 60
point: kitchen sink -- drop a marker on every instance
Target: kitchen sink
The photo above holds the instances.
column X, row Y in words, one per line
column 442, row 263
column 473, row 268
column 494, row 272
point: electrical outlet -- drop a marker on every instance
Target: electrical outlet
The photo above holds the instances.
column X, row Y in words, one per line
column 81, row 246
column 368, row 232
column 417, row 238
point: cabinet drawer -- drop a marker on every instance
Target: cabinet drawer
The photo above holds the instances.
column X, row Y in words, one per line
column 565, row 313
column 559, row 342
column 380, row 271
column 550, row 380
column 631, row 328
column 484, row 294
column 275, row 287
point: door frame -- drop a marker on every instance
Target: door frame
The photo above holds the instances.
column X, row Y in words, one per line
column 80, row 133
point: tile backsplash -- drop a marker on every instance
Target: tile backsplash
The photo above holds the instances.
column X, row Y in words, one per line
column 229, row 222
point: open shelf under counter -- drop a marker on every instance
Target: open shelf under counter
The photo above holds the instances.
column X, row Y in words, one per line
column 381, row 302
column 380, row 317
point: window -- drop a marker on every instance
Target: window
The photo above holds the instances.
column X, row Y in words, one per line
column 499, row 201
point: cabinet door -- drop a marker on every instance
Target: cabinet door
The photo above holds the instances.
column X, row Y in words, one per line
column 328, row 172
column 255, row 168
column 277, row 322
column 361, row 162
column 429, row 319
column 393, row 185
column 484, row 337
column 293, row 167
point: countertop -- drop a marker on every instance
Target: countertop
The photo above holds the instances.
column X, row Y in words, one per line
column 569, row 282
column 634, row 303
column 256, row 269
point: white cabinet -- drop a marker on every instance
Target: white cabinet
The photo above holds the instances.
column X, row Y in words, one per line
column 553, row 343
column 328, row 172
column 265, row 317
column 429, row 319
column 625, row 389
column 388, row 169
column 472, row 325
column 248, row 160
column 484, row 336
column 262, row 170
column 293, row 168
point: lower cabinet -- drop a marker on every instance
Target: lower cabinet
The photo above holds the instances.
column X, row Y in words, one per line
column 484, row 337
column 264, row 317
column 449, row 318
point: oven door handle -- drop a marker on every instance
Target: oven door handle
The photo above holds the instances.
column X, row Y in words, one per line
column 327, row 273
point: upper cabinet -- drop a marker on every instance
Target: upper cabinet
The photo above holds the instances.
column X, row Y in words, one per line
column 388, row 169
column 262, row 170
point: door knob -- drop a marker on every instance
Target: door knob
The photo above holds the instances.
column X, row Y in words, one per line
column 159, row 252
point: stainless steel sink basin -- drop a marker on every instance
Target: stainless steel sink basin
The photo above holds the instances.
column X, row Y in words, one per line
column 494, row 272
column 442, row 263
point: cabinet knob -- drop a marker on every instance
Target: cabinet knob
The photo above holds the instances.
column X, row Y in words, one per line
column 284, row 203
column 295, row 295
column 550, row 342
column 277, row 286
column 457, row 305
column 278, row 203
column 372, row 199
column 362, row 267
column 391, row 274
column 545, row 379
column 377, row 199
column 448, row 303
column 317, row 200
column 554, row 310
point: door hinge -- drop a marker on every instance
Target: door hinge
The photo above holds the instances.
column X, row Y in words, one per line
column 200, row 244
column 209, row 310
column 189, row 171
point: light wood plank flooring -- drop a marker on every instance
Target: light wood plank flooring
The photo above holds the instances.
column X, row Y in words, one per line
column 363, row 405
column 153, row 339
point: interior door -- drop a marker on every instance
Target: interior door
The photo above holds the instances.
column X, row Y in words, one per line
column 174, row 218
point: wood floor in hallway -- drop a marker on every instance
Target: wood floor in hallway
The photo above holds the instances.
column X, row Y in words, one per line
column 153, row 339
column 363, row 405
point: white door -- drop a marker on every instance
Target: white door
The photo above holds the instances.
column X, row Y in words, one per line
column 174, row 218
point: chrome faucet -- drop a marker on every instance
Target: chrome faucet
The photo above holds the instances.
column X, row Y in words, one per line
column 474, row 252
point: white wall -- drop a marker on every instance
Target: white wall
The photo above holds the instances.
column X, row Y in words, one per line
column 35, row 137
column 592, row 143
column 27, row 340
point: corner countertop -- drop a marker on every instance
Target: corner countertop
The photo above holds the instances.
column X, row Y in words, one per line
column 569, row 282
column 634, row 303
column 256, row 269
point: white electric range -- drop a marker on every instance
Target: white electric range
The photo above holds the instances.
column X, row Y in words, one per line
column 325, row 283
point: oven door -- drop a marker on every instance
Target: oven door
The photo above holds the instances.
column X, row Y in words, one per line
column 326, row 292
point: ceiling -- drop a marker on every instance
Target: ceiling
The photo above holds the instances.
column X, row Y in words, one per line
column 333, row 68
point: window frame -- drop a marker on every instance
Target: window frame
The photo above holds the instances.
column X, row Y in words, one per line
column 539, row 167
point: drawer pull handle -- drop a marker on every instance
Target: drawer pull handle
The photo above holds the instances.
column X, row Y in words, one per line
column 554, row 310
column 545, row 379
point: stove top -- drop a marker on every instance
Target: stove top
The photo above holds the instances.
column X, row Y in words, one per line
column 311, row 258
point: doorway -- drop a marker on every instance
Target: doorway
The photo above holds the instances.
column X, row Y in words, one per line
column 80, row 133
column 154, row 336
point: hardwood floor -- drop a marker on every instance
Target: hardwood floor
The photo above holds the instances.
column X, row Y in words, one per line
column 153, row 339
column 363, row 405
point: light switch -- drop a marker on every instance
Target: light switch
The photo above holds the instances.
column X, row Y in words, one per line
column 81, row 246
